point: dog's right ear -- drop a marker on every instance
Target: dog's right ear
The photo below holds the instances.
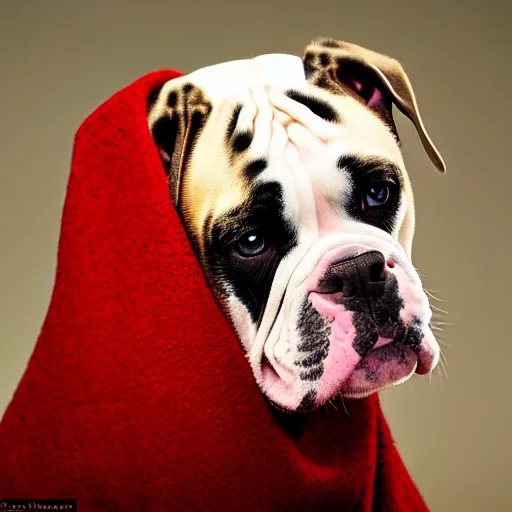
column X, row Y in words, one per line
column 177, row 113
column 375, row 79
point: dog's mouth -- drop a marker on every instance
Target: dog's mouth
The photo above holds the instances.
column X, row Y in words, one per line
column 335, row 351
column 383, row 367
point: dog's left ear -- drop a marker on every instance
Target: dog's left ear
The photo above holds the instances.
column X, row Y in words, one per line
column 177, row 113
column 375, row 79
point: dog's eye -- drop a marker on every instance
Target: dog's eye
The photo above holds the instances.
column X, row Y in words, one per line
column 251, row 244
column 376, row 194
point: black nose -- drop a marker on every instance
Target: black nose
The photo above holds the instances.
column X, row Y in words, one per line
column 360, row 276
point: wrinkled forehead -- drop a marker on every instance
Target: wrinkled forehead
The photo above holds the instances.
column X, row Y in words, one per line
column 266, row 122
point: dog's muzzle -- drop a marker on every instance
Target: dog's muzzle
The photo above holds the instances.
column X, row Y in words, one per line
column 357, row 323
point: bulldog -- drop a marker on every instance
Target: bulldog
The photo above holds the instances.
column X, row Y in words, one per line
column 288, row 176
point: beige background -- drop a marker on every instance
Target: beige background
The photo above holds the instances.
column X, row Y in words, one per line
column 60, row 59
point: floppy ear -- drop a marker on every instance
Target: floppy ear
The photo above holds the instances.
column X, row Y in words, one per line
column 374, row 79
column 177, row 114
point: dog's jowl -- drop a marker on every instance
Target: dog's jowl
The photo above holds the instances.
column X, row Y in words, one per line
column 289, row 179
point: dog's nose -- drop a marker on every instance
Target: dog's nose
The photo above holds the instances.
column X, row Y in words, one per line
column 360, row 276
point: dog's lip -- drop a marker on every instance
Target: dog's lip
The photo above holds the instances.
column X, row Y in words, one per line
column 336, row 296
column 426, row 362
column 361, row 392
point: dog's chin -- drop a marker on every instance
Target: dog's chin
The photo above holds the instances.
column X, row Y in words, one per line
column 382, row 368
column 386, row 366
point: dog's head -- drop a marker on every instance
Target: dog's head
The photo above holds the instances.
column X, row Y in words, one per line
column 289, row 179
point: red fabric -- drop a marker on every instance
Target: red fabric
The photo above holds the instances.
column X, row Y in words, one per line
column 138, row 396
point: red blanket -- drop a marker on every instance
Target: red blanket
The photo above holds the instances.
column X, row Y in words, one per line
column 138, row 395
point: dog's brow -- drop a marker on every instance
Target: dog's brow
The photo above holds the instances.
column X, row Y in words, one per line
column 368, row 166
column 263, row 203
column 232, row 224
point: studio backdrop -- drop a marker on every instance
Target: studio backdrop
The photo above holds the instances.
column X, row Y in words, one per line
column 60, row 60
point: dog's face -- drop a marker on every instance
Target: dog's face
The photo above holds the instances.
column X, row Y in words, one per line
column 290, row 182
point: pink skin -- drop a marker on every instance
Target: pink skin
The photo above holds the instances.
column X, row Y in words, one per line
column 375, row 98
column 389, row 373
column 340, row 366
column 342, row 358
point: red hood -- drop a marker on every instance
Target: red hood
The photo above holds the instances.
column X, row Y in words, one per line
column 138, row 395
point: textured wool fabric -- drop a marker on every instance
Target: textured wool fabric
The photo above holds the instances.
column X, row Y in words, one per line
column 138, row 395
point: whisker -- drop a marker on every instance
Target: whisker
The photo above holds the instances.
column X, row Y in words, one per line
column 444, row 358
column 439, row 374
column 344, row 406
column 443, row 363
column 432, row 295
column 439, row 309
column 443, row 343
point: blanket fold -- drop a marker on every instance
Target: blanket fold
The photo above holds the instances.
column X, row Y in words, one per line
column 138, row 395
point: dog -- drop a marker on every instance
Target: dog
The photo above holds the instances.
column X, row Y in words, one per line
column 288, row 176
